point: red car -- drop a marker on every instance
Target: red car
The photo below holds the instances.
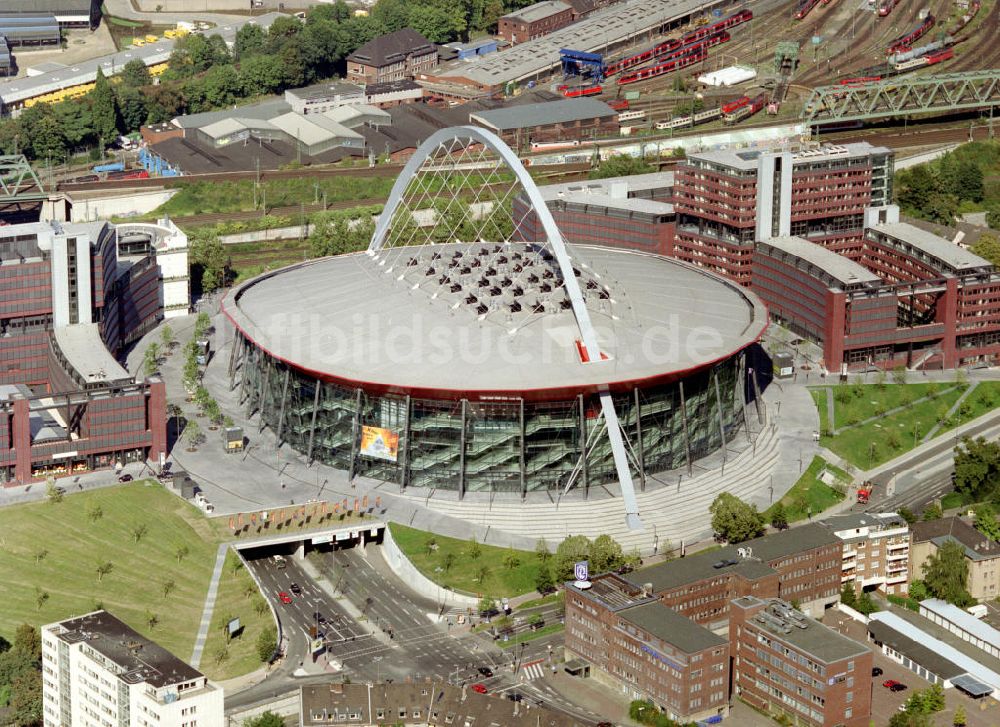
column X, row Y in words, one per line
column 889, row 683
column 479, row 688
column 284, row 597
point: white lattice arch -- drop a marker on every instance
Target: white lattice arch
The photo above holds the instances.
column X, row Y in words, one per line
column 557, row 246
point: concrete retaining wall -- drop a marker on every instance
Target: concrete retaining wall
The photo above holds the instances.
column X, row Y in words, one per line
column 404, row 568
column 138, row 203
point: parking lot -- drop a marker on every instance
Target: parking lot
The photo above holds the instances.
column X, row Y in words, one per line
column 885, row 703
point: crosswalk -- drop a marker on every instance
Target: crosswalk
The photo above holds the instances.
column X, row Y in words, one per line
column 532, row 671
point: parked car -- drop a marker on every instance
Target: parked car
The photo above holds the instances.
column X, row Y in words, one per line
column 877, row 671
column 125, row 478
column 294, row 588
column 486, row 671
column 514, row 697
column 897, row 687
column 479, row 689
column 284, row 597
column 889, row 683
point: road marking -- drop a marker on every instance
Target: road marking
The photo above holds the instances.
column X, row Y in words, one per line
column 534, row 670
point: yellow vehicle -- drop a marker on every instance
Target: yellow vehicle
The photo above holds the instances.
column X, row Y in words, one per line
column 138, row 42
column 152, row 38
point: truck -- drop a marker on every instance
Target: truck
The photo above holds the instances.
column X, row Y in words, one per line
column 865, row 493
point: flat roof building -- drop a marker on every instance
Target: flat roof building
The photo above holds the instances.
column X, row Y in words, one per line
column 934, row 652
column 786, row 663
column 963, row 624
column 30, row 31
column 96, row 668
column 876, row 550
column 646, row 649
column 68, row 13
column 571, row 118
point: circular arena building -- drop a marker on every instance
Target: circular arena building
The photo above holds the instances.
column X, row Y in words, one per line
column 455, row 356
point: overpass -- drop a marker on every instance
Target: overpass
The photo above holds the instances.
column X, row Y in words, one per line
column 903, row 96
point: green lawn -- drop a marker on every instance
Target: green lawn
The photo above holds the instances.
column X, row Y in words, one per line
column 810, row 494
column 890, row 436
column 854, row 403
column 819, row 399
column 238, row 598
column 525, row 636
column 73, row 545
column 983, row 399
column 463, row 574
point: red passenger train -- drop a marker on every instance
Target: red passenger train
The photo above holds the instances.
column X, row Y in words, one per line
column 659, row 69
column 804, row 8
column 131, row 174
column 672, row 44
column 582, row 91
column 904, row 42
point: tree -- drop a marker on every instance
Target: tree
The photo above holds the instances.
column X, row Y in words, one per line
column 969, row 181
column 261, row 75
column 511, row 559
column 41, row 597
column 40, row 554
column 977, row 468
column 932, row 512
column 266, row 719
column 779, row 519
column 734, row 519
column 138, row 532
column 482, row 574
column 193, row 434
column 487, row 606
column 544, row 583
column 910, row 719
column 917, row 590
column 222, row 85
column 25, row 707
column 605, row 554
column 988, row 246
column 572, row 550
column 167, row 337
column 907, row 514
column 249, row 40
column 167, row 587
column 865, row 604
column 959, row 718
column 620, row 165
column 848, row 597
column 986, row 521
column 52, row 493
column 946, row 573
column 899, row 374
column 474, row 550
column 152, row 620
column 103, row 568
column 915, row 187
column 181, row 552
column 542, row 551
column 151, row 359
column 448, row 561
column 104, row 110
column 267, row 643
column 94, row 512
column 136, row 74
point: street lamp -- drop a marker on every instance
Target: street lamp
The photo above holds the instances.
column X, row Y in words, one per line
column 378, row 668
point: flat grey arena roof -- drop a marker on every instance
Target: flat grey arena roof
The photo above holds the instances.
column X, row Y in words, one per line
column 342, row 318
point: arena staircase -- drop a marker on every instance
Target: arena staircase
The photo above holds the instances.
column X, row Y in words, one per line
column 669, row 511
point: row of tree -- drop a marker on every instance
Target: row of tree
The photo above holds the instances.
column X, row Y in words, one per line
column 21, row 677
column 204, row 74
column 935, row 191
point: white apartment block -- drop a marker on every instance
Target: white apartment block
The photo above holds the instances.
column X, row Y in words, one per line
column 98, row 672
column 876, row 550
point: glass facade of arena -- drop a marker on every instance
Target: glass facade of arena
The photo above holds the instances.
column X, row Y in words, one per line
column 510, row 445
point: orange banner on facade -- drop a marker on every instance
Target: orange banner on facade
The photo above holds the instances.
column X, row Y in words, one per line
column 379, row 443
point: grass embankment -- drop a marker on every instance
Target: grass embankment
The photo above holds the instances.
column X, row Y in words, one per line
column 532, row 635
column 869, row 431
column 55, row 549
column 454, row 564
column 810, row 496
column 161, row 552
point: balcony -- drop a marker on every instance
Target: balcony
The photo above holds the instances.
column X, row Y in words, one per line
column 894, row 579
column 898, row 556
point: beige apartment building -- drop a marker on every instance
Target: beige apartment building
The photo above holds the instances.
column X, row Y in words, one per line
column 981, row 553
column 876, row 550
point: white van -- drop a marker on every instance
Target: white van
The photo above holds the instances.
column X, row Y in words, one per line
column 279, row 562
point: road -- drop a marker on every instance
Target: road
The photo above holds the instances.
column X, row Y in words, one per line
column 378, row 628
column 124, row 9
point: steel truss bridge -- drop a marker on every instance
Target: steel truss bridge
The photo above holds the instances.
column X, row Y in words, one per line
column 901, row 96
column 18, row 181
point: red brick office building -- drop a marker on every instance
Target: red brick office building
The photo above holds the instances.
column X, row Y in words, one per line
column 392, row 57
column 785, row 663
column 72, row 298
column 534, row 21
column 814, row 234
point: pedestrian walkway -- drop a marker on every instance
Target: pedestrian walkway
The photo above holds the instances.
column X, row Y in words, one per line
column 951, row 412
column 532, row 671
column 206, row 613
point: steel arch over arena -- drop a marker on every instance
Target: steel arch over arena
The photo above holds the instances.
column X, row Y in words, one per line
column 455, row 355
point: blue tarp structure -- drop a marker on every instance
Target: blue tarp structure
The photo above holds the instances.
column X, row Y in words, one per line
column 580, row 63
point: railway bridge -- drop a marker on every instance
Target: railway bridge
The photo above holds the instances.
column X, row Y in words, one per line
column 897, row 96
